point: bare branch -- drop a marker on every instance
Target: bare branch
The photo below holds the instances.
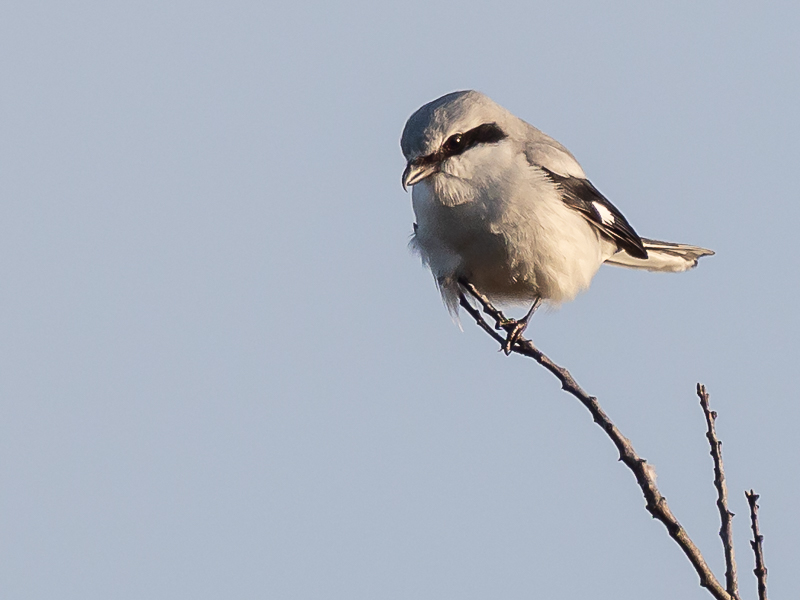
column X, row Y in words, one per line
column 725, row 515
column 655, row 503
column 758, row 550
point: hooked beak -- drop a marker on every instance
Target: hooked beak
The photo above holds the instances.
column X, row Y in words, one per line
column 416, row 172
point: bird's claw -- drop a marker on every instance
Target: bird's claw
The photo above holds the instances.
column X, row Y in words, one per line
column 514, row 330
column 514, row 334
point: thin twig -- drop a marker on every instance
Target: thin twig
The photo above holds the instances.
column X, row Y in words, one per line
column 758, row 550
column 725, row 515
column 655, row 503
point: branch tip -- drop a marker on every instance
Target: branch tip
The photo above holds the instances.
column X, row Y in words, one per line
column 756, row 544
column 725, row 515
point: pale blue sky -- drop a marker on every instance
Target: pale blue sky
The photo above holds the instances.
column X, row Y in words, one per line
column 223, row 375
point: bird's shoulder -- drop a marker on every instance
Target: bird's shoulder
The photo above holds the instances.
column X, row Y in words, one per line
column 543, row 151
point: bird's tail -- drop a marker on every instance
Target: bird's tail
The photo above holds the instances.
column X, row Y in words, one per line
column 662, row 256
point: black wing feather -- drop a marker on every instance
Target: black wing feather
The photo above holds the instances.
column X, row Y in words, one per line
column 581, row 195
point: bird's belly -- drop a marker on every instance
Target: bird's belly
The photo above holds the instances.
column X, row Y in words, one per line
column 512, row 252
column 520, row 264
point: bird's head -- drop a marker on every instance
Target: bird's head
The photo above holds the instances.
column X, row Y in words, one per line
column 450, row 127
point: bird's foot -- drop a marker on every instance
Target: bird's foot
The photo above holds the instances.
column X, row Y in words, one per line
column 514, row 330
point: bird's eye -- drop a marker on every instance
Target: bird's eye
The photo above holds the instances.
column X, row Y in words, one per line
column 454, row 143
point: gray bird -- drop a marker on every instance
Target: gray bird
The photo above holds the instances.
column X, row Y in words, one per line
column 508, row 209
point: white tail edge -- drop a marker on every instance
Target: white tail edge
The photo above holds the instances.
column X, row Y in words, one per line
column 662, row 256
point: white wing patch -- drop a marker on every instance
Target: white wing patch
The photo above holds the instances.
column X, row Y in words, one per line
column 605, row 215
